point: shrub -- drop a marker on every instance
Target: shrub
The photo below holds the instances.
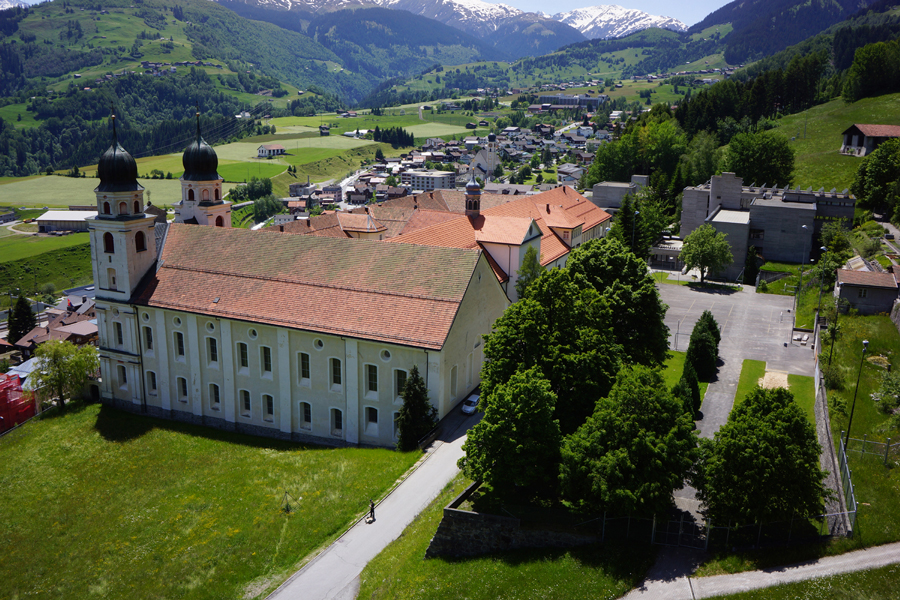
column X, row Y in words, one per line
column 702, row 354
column 834, row 379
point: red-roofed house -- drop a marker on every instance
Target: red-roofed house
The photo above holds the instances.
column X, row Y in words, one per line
column 866, row 291
column 267, row 150
column 861, row 139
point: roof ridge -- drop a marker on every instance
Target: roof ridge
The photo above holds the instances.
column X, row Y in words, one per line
column 316, row 284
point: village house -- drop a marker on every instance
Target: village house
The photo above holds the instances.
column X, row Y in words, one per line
column 269, row 150
column 868, row 292
column 860, row 140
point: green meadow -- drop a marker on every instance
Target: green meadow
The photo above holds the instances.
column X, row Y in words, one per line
column 103, row 503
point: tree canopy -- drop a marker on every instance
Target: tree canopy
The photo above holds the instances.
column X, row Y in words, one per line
column 622, row 280
column 876, row 180
column 531, row 270
column 635, row 449
column 516, row 444
column 706, row 250
column 21, row 320
column 63, row 369
column 763, row 464
column 563, row 329
column 763, row 158
column 417, row 416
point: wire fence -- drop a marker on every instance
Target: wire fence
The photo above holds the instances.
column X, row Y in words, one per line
column 886, row 449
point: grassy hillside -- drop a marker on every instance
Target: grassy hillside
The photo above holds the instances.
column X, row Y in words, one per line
column 819, row 162
column 108, row 504
column 63, row 261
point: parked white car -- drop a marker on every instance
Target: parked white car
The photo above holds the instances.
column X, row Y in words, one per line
column 470, row 404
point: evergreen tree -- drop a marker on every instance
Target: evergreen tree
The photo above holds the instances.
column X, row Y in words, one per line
column 417, row 416
column 21, row 320
column 689, row 377
column 530, row 271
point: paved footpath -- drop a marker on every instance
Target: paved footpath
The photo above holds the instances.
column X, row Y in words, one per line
column 669, row 580
column 334, row 574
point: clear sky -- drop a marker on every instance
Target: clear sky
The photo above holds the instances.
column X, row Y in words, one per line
column 687, row 12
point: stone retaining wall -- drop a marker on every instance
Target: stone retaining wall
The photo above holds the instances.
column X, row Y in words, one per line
column 465, row 533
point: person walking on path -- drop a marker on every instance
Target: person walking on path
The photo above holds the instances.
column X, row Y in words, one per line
column 371, row 511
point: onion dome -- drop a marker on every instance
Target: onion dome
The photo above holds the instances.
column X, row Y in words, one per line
column 117, row 169
column 200, row 160
column 472, row 186
column 492, row 137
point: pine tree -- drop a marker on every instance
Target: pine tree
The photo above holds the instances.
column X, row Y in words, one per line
column 417, row 416
column 21, row 320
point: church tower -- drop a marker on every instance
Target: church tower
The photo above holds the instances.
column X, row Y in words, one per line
column 123, row 251
column 473, row 197
column 123, row 245
column 201, row 187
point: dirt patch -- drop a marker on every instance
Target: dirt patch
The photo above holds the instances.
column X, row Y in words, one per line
column 774, row 379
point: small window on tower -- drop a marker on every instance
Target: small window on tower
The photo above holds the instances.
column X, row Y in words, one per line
column 191, row 195
column 137, row 207
column 219, row 221
column 123, row 208
column 140, row 241
column 108, row 244
column 217, row 194
column 106, row 209
column 205, row 195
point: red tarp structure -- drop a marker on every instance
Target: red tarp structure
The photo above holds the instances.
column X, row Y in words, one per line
column 16, row 406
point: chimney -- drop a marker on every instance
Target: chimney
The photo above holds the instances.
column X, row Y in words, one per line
column 84, row 299
column 548, row 209
column 281, row 228
column 307, row 221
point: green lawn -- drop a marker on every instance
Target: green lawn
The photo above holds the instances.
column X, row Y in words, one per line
column 60, row 192
column 804, row 390
column 876, row 584
column 21, row 246
column 819, row 162
column 674, row 367
column 399, row 572
column 678, row 279
column 104, row 503
column 751, row 372
column 11, row 113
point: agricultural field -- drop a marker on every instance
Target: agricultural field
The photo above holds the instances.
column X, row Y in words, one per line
column 59, row 192
column 101, row 502
column 64, row 267
column 15, row 247
column 11, row 113
column 815, row 136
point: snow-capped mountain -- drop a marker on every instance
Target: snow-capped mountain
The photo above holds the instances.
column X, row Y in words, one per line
column 474, row 16
column 4, row 4
column 610, row 20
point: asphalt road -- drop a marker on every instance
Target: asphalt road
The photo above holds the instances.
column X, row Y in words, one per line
column 334, row 574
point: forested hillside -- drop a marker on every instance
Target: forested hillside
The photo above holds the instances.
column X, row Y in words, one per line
column 763, row 27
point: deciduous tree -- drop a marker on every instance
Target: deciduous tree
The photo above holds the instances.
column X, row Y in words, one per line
column 635, row 449
column 763, row 158
column 706, row 250
column 516, row 444
column 530, row 271
column 622, row 280
column 763, row 464
column 63, row 369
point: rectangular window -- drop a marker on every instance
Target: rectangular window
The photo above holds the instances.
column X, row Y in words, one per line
column 123, row 377
column 182, row 389
column 371, row 414
column 148, row 339
column 371, row 378
column 335, row 371
column 305, row 415
column 304, row 367
column 337, row 422
column 179, row 344
column 863, row 292
column 245, row 403
column 269, row 403
column 214, row 396
column 213, row 348
column 120, row 334
column 399, row 382
column 151, row 382
column 243, row 355
column 266, row 359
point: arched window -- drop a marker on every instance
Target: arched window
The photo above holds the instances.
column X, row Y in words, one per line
column 123, row 208
column 106, row 208
column 140, row 241
column 217, row 194
column 191, row 195
column 220, row 222
column 137, row 207
column 206, row 195
column 108, row 244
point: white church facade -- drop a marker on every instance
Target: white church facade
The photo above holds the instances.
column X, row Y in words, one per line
column 295, row 337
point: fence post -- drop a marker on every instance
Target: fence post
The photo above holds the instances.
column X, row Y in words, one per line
column 759, row 536
column 865, row 436
column 706, row 545
column 603, row 534
column 887, row 448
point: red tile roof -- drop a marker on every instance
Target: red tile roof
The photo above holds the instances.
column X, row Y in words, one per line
column 359, row 223
column 503, row 230
column 402, row 294
column 866, row 279
column 879, row 130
